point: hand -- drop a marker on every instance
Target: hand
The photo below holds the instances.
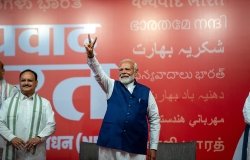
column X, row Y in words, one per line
column 90, row 47
column 151, row 155
column 18, row 143
column 33, row 142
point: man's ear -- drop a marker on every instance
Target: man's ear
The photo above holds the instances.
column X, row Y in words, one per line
column 136, row 73
column 36, row 83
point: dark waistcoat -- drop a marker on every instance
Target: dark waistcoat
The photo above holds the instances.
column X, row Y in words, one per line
column 125, row 124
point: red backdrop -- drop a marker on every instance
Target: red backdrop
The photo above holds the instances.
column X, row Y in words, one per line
column 193, row 54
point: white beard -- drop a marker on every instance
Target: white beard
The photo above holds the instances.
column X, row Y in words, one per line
column 127, row 80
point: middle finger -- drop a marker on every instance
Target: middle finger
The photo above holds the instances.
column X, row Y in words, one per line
column 94, row 42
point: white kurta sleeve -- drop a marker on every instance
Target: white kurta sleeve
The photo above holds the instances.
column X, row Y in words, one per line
column 4, row 130
column 246, row 110
column 50, row 125
column 14, row 90
column 154, row 121
column 106, row 83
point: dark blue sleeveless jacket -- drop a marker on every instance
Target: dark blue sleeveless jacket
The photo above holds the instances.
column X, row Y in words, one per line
column 125, row 124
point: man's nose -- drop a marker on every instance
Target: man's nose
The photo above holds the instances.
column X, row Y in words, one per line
column 124, row 73
column 26, row 82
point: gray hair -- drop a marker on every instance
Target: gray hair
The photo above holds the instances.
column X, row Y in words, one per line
column 133, row 62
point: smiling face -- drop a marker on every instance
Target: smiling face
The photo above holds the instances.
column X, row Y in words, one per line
column 28, row 83
column 127, row 71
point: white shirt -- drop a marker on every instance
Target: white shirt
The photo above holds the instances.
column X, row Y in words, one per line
column 246, row 110
column 246, row 115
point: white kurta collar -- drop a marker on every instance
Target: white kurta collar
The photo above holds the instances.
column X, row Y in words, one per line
column 23, row 97
column 130, row 86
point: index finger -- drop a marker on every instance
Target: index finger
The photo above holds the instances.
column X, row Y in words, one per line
column 89, row 38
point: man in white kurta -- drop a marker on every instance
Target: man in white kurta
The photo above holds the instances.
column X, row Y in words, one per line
column 6, row 90
column 108, row 84
column 26, row 120
column 127, row 71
